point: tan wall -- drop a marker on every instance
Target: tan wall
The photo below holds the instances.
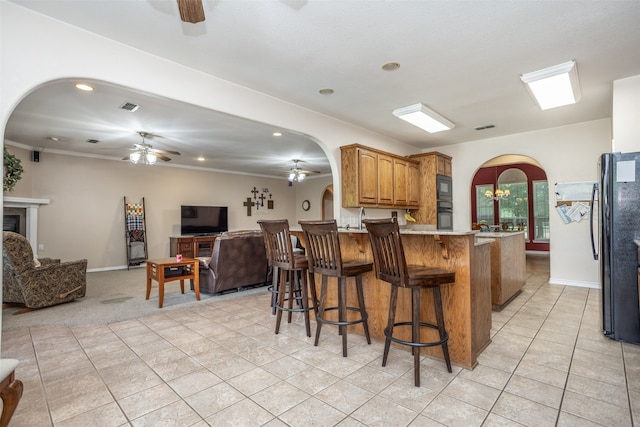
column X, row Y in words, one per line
column 85, row 217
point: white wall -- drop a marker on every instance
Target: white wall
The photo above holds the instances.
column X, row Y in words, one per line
column 567, row 154
column 626, row 110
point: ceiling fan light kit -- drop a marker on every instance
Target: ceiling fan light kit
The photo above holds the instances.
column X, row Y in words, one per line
column 296, row 174
column 145, row 154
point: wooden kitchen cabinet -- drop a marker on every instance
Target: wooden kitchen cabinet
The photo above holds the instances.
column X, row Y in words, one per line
column 385, row 180
column 413, row 184
column 443, row 164
column 430, row 165
column 400, row 182
column 375, row 178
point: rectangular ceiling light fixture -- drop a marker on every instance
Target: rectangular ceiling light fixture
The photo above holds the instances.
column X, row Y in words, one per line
column 554, row 86
column 421, row 116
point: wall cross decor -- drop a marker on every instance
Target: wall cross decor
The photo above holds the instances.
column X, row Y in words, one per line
column 248, row 204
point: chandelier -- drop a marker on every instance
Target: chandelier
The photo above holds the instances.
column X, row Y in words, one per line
column 499, row 195
column 143, row 155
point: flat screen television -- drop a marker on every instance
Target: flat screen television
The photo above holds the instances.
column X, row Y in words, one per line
column 203, row 220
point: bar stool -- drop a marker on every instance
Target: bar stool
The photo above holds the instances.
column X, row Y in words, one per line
column 323, row 251
column 289, row 267
column 391, row 266
column 275, row 273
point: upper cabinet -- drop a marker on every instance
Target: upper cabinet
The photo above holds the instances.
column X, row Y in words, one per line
column 378, row 179
column 443, row 164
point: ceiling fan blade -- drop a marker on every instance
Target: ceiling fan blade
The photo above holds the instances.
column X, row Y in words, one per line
column 157, row 150
column 161, row 157
column 308, row 172
column 191, row 11
column 126, row 158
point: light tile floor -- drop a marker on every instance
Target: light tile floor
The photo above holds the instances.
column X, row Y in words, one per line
column 221, row 364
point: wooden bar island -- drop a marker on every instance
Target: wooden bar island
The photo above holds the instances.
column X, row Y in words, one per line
column 508, row 266
column 466, row 303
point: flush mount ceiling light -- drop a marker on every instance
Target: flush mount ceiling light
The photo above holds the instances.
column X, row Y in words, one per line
column 421, row 116
column 554, row 86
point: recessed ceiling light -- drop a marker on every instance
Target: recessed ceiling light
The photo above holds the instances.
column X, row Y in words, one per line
column 277, row 134
column 326, row 91
column 390, row 66
column 424, row 118
column 54, row 138
column 84, row 87
column 200, row 159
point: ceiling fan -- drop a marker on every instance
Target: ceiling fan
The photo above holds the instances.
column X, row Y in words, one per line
column 191, row 11
column 298, row 174
column 144, row 153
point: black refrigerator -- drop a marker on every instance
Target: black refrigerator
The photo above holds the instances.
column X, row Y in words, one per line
column 615, row 226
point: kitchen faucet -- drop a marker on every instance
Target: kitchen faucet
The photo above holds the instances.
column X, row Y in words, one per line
column 360, row 218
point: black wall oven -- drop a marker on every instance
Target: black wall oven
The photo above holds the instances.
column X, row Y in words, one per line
column 445, row 215
column 444, row 188
column 444, row 196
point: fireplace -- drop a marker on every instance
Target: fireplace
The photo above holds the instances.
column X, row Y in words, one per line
column 15, row 219
column 21, row 215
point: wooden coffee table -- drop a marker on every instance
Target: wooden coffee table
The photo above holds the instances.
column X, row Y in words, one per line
column 156, row 271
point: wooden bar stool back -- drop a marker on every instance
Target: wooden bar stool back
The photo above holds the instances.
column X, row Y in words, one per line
column 289, row 267
column 323, row 251
column 391, row 266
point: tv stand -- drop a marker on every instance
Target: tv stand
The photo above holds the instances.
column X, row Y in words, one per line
column 192, row 246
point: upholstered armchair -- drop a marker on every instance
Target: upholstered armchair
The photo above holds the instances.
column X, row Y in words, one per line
column 35, row 286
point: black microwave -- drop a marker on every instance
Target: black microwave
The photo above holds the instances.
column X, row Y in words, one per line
column 444, row 187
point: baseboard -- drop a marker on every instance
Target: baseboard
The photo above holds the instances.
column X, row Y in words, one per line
column 591, row 285
column 114, row 267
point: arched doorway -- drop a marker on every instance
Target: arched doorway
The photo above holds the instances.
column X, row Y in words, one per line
column 327, row 203
column 513, row 197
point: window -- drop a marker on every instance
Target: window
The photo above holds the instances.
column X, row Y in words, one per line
column 484, row 204
column 513, row 197
column 514, row 210
column 541, row 211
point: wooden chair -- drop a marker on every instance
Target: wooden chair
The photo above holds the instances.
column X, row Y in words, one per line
column 323, row 251
column 289, row 267
column 10, row 389
column 390, row 265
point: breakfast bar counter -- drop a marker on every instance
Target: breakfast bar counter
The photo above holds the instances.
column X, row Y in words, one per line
column 466, row 303
column 508, row 265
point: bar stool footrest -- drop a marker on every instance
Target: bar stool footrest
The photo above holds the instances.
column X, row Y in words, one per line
column 345, row 323
column 416, row 344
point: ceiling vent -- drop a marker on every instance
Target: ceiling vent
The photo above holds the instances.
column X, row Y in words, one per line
column 93, row 141
column 129, row 106
column 485, row 127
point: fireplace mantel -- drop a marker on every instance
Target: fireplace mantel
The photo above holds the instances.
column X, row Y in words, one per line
column 31, row 206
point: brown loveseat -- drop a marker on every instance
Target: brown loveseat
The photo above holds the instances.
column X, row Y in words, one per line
column 238, row 259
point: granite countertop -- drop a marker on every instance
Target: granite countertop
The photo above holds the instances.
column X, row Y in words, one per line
column 419, row 229
column 498, row 234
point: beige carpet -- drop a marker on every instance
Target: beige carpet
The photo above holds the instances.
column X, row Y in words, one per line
column 113, row 296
